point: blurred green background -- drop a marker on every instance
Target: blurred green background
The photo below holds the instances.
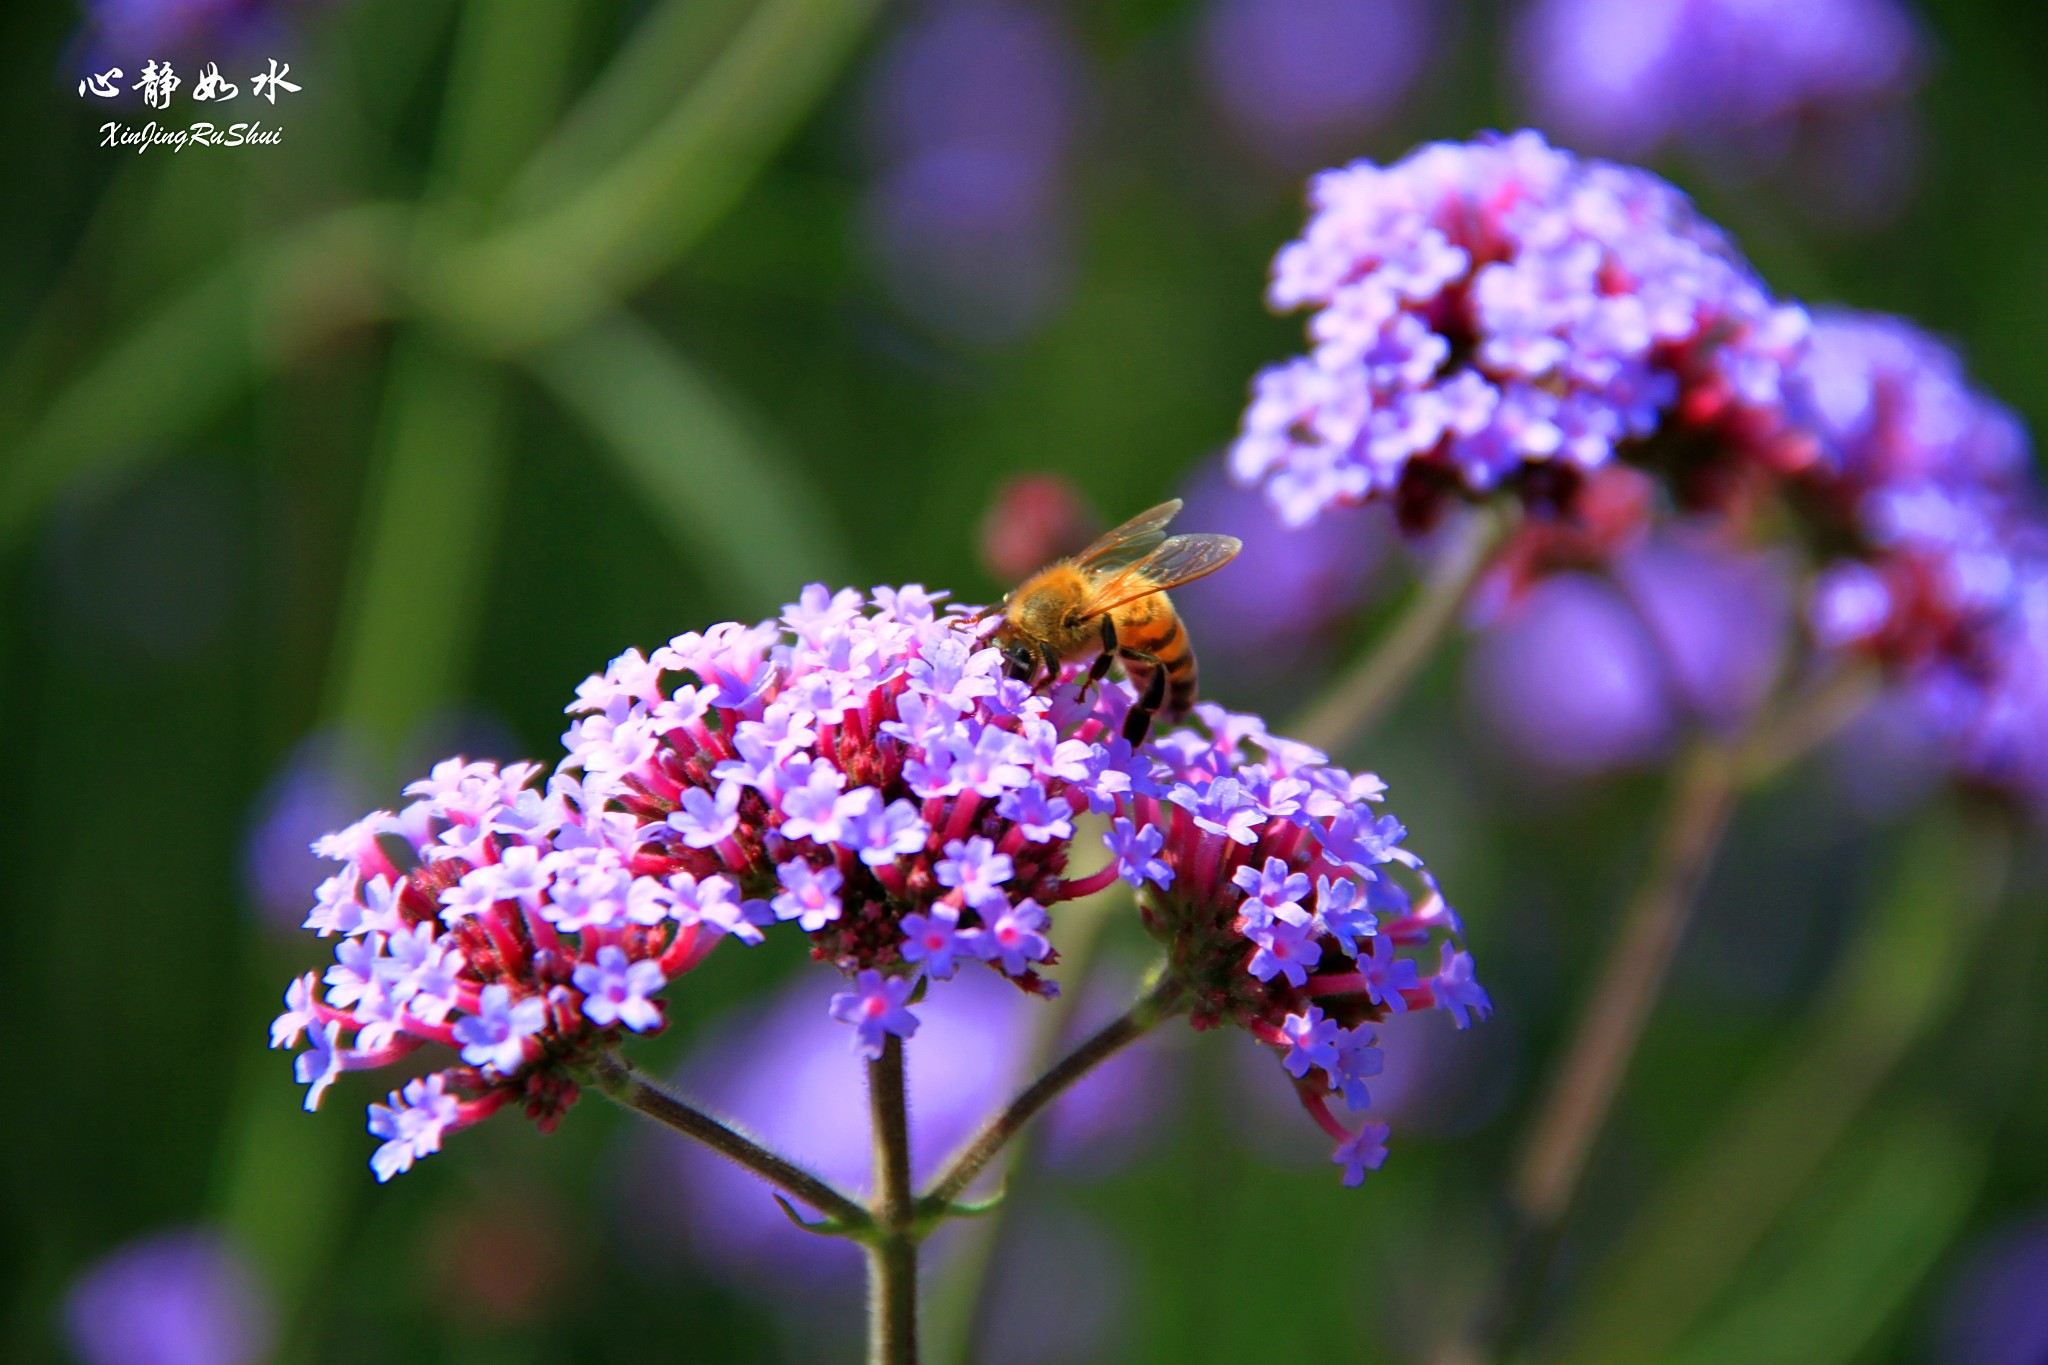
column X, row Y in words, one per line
column 556, row 327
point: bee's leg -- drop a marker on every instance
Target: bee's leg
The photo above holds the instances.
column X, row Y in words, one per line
column 1138, row 723
column 1051, row 659
column 1099, row 670
column 1021, row 664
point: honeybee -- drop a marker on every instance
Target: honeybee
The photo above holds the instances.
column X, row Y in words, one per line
column 1112, row 598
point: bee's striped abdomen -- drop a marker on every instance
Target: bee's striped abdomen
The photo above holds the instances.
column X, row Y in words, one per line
column 1159, row 634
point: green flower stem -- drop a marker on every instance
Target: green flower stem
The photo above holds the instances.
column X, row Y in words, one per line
column 1162, row 1000
column 621, row 1083
column 892, row 1250
column 1574, row 1112
column 669, row 50
column 206, row 347
column 1583, row 1093
column 1365, row 693
column 1903, row 973
column 424, row 544
column 417, row 587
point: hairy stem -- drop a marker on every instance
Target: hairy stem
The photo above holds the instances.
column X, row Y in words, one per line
column 621, row 1083
column 1126, row 1028
column 1377, row 681
column 892, row 1252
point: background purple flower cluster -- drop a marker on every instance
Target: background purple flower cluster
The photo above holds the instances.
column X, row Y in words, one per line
column 1936, row 484
column 1501, row 315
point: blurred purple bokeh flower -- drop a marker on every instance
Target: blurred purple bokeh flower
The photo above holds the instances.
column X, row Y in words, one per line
column 130, row 33
column 1722, row 620
column 321, row 785
column 1572, row 680
column 181, row 1297
column 1996, row 1308
column 783, row 1072
column 1298, row 77
column 1587, row 673
column 971, row 113
column 1625, row 77
column 1502, row 315
column 1934, row 479
column 1821, row 86
column 1274, row 614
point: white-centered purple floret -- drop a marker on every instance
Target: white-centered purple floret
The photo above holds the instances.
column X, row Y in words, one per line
column 495, row 1035
column 932, row 941
column 1365, row 1150
column 317, row 1067
column 976, row 870
column 1136, row 849
column 616, row 991
column 810, row 895
column 412, row 1124
column 1311, row 1042
column 1015, row 938
column 875, row 1008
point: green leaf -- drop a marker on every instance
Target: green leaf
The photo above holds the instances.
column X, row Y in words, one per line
column 555, row 270
column 728, row 500
column 424, row 549
column 668, row 51
column 179, row 368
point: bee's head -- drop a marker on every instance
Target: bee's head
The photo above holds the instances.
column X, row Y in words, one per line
column 1022, row 661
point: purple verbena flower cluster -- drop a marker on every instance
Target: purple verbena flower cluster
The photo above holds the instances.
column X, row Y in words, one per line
column 864, row 768
column 1933, row 482
column 1503, row 313
column 521, row 927
column 1500, row 317
column 1267, row 875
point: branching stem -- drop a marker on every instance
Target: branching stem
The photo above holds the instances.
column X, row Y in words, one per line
column 1156, row 1004
column 628, row 1087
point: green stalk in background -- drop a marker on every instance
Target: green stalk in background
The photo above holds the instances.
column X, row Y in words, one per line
column 1897, row 981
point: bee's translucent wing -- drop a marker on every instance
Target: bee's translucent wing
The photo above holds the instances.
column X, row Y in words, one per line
column 1130, row 542
column 1181, row 559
